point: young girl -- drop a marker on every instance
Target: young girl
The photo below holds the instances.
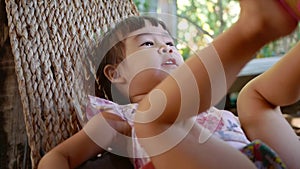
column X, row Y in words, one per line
column 144, row 72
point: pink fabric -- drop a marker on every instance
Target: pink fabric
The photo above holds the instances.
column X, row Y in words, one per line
column 287, row 6
column 149, row 165
column 223, row 124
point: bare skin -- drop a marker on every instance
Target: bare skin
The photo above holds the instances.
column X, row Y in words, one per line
column 253, row 30
column 279, row 86
column 260, row 30
column 79, row 148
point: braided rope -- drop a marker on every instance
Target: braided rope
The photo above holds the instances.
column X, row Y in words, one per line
column 46, row 39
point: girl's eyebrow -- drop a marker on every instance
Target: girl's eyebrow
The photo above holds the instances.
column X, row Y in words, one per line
column 135, row 36
column 151, row 33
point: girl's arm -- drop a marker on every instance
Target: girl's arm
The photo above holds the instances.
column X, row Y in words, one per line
column 233, row 49
column 177, row 95
column 259, row 111
column 71, row 153
column 86, row 143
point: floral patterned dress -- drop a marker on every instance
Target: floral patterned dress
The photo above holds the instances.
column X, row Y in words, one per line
column 221, row 123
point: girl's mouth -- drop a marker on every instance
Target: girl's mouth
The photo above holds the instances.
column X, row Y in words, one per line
column 170, row 61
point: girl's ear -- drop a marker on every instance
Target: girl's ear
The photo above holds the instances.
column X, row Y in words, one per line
column 110, row 71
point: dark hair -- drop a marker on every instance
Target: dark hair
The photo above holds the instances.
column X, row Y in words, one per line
column 111, row 50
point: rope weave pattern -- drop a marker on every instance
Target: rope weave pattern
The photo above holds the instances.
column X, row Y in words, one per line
column 47, row 40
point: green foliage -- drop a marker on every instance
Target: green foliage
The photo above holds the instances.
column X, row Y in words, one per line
column 142, row 5
column 208, row 17
column 199, row 21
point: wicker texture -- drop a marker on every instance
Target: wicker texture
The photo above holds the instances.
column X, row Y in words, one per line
column 46, row 39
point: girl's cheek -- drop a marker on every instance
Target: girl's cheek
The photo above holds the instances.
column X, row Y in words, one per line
column 140, row 61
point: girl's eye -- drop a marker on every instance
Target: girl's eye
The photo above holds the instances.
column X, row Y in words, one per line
column 170, row 43
column 147, row 44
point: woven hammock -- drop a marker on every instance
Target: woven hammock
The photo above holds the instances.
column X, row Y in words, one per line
column 46, row 39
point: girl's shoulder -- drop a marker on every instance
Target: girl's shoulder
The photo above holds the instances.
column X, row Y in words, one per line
column 96, row 105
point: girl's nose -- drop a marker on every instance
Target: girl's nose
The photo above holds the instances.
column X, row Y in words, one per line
column 165, row 49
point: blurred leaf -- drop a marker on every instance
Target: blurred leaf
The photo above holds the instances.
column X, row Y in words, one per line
column 206, row 19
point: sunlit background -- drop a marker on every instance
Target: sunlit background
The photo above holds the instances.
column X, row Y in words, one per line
column 199, row 21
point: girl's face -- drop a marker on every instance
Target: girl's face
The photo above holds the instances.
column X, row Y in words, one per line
column 151, row 56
